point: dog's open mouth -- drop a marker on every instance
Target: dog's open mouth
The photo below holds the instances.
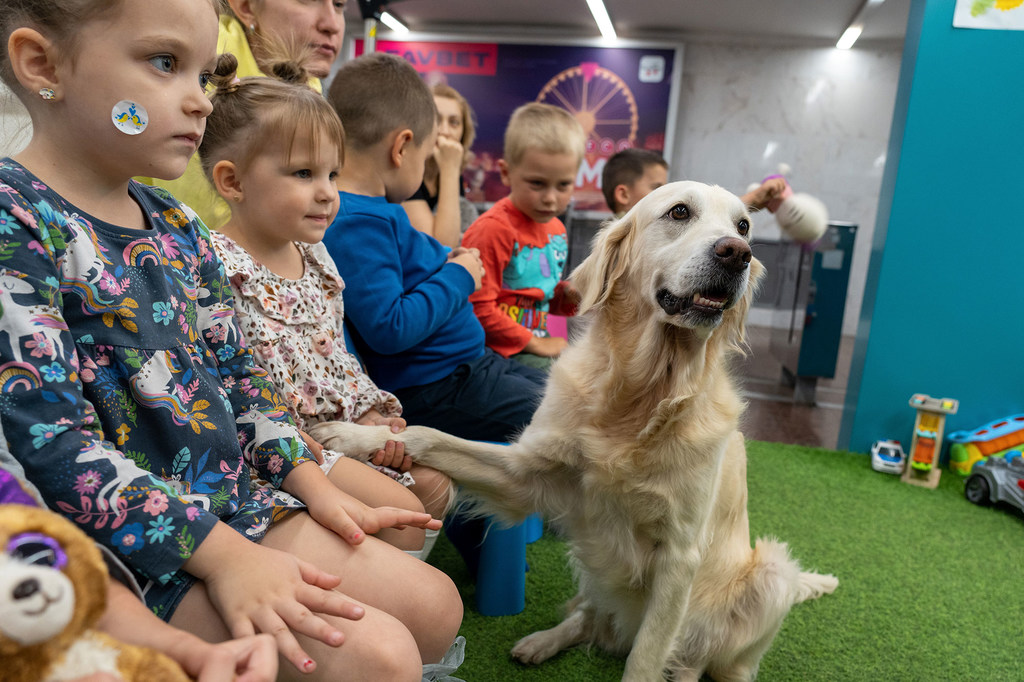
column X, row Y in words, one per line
column 707, row 302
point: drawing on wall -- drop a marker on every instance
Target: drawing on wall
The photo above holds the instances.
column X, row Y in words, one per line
column 622, row 96
column 1006, row 15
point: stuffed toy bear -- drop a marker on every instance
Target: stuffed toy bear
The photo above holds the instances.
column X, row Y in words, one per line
column 53, row 589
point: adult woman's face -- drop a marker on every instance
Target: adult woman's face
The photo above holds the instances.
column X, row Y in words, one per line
column 320, row 24
column 449, row 118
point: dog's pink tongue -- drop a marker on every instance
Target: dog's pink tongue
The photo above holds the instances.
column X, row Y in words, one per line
column 716, row 299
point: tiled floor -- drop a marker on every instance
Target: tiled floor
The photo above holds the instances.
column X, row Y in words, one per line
column 772, row 415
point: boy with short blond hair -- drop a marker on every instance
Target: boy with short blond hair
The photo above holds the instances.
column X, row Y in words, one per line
column 406, row 295
column 522, row 243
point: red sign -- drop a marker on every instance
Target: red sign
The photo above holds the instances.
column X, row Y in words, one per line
column 467, row 59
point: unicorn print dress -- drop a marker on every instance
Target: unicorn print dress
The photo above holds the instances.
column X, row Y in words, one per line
column 127, row 393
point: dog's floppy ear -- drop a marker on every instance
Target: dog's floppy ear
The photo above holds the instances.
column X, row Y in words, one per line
column 734, row 326
column 596, row 275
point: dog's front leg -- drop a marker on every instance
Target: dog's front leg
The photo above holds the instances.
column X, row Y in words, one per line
column 669, row 595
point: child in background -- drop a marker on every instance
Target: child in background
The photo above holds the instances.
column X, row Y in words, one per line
column 522, row 243
column 288, row 294
column 406, row 295
column 632, row 174
column 629, row 176
column 133, row 404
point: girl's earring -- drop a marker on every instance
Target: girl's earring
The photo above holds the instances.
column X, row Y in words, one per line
column 252, row 28
column 47, row 94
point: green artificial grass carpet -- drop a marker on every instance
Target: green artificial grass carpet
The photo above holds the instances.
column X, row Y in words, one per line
column 930, row 585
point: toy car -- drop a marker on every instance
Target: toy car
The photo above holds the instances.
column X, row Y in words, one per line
column 997, row 479
column 887, row 456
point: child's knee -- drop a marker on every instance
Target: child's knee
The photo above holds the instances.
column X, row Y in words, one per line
column 442, row 609
column 378, row 647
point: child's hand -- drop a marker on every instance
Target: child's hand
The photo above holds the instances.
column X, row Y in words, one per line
column 469, row 259
column 316, row 448
column 247, row 659
column 260, row 589
column 351, row 520
column 448, row 154
column 548, row 347
column 393, row 454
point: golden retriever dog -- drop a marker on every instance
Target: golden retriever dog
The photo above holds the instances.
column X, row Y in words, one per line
column 634, row 453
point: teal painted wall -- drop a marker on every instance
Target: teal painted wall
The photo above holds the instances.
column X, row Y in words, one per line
column 943, row 310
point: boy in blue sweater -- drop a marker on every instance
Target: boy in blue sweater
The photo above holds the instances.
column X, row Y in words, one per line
column 406, row 295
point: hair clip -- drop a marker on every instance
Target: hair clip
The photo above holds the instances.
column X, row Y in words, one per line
column 47, row 94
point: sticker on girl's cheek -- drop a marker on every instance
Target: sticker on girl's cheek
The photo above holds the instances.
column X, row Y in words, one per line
column 130, row 118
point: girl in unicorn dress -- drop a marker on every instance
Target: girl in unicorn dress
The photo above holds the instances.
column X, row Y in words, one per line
column 127, row 392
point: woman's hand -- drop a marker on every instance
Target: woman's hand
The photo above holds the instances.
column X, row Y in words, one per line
column 448, row 154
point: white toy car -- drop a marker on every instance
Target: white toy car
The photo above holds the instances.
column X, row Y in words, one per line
column 888, row 457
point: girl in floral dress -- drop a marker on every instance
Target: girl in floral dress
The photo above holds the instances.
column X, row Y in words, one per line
column 128, row 395
column 288, row 294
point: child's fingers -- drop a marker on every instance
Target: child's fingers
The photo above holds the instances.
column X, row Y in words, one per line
column 393, row 517
column 337, row 520
column 289, row 647
column 330, row 602
column 255, row 661
column 316, row 576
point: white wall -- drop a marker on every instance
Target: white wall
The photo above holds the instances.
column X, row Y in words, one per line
column 15, row 126
column 823, row 111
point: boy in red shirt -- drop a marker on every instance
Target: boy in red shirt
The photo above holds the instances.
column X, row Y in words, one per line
column 522, row 243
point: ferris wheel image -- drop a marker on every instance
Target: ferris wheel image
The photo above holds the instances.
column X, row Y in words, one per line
column 600, row 101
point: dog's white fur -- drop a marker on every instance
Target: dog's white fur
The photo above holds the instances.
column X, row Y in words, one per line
column 634, row 453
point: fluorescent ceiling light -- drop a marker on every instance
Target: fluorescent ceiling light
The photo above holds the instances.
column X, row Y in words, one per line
column 849, row 37
column 394, row 24
column 856, row 26
column 604, row 22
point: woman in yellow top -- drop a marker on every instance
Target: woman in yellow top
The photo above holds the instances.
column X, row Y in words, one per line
column 318, row 25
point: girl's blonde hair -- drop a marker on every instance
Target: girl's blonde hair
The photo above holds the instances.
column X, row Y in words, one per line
column 248, row 112
column 545, row 127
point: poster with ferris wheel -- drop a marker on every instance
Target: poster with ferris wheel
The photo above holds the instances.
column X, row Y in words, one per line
column 623, row 96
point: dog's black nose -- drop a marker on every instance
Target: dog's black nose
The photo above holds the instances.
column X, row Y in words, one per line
column 25, row 589
column 733, row 253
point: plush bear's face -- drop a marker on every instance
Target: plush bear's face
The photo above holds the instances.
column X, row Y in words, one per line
column 52, row 580
column 36, row 599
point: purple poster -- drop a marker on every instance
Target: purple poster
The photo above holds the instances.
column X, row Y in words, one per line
column 621, row 96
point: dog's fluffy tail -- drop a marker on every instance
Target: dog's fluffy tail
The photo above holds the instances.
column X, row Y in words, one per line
column 814, row 585
column 731, row 625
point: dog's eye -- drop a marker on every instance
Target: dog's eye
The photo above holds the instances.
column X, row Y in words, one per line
column 37, row 549
column 679, row 212
column 743, row 227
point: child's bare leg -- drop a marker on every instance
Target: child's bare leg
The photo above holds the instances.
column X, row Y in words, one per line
column 433, row 489
column 413, row 611
column 377, row 490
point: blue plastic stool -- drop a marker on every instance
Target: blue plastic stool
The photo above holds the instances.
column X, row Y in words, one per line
column 534, row 528
column 501, row 576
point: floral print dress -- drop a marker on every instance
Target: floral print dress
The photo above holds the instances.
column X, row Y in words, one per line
column 127, row 392
column 295, row 329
